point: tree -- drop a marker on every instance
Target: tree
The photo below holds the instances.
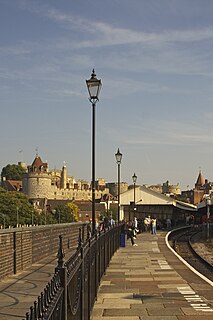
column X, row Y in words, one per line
column 46, row 217
column 16, row 209
column 107, row 215
column 12, row 172
column 66, row 213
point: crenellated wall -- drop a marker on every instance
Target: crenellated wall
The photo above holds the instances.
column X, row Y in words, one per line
column 21, row 247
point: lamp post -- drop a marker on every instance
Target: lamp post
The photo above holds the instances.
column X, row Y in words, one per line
column 118, row 157
column 208, row 203
column 134, row 179
column 94, row 87
column 17, row 216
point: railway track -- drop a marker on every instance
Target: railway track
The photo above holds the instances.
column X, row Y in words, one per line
column 181, row 242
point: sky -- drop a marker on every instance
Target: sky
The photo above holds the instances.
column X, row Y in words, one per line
column 155, row 61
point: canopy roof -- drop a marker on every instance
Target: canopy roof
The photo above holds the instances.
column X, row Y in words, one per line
column 144, row 196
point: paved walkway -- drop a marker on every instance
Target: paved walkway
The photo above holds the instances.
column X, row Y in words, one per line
column 149, row 282
column 18, row 292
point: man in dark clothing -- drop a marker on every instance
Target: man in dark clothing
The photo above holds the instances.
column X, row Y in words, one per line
column 130, row 235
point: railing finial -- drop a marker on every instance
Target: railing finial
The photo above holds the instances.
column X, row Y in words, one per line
column 60, row 254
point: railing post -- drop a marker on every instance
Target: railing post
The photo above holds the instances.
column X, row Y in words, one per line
column 96, row 262
column 61, row 268
column 80, row 246
column 104, row 250
column 82, row 283
column 89, row 279
column 14, row 252
column 79, row 238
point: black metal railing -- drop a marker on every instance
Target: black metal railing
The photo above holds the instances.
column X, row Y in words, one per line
column 71, row 293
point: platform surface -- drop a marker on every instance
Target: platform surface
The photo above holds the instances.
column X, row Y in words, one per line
column 149, row 282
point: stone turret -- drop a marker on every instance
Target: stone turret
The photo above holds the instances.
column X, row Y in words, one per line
column 37, row 180
column 200, row 181
column 64, row 177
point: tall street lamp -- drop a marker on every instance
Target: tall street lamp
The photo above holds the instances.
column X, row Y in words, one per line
column 94, row 87
column 134, row 179
column 118, row 157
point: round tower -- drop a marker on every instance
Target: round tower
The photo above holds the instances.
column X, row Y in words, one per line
column 37, row 180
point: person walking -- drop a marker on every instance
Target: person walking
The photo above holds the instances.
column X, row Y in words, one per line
column 130, row 235
column 135, row 227
column 168, row 224
column 154, row 225
column 147, row 224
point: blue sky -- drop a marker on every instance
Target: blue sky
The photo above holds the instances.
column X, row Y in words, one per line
column 155, row 60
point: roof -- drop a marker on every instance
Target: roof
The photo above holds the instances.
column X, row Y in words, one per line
column 38, row 165
column 37, row 162
column 146, row 196
column 200, row 180
column 12, row 185
column 184, row 205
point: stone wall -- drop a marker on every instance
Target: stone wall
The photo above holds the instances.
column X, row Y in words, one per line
column 21, row 247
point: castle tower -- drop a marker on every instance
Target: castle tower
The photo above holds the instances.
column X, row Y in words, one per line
column 200, row 181
column 64, row 177
column 37, row 180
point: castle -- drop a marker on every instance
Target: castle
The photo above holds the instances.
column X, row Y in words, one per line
column 40, row 184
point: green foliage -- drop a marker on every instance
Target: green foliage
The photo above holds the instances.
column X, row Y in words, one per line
column 12, row 172
column 66, row 213
column 46, row 217
column 107, row 215
column 16, row 209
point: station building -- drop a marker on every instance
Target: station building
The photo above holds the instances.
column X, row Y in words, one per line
column 151, row 203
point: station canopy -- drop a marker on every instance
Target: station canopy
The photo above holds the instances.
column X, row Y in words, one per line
column 146, row 196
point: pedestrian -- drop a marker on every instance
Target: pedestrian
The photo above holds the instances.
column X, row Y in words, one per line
column 89, row 228
column 135, row 227
column 96, row 224
column 111, row 222
column 147, row 222
column 135, row 222
column 154, row 225
column 130, row 235
column 168, row 224
column 140, row 226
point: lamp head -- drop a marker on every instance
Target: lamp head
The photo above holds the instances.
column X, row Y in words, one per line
column 134, row 178
column 94, row 87
column 118, row 156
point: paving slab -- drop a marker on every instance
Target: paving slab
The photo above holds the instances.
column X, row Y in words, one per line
column 152, row 284
column 18, row 292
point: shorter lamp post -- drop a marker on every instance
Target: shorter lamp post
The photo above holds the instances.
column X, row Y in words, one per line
column 134, row 179
column 17, row 216
column 118, row 157
column 208, row 203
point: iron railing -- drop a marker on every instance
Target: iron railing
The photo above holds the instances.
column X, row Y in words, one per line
column 71, row 293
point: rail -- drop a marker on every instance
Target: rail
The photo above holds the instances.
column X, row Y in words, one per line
column 71, row 293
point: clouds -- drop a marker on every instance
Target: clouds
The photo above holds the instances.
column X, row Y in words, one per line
column 155, row 61
column 174, row 51
column 165, row 133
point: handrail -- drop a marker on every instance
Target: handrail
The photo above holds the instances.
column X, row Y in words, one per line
column 74, row 286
